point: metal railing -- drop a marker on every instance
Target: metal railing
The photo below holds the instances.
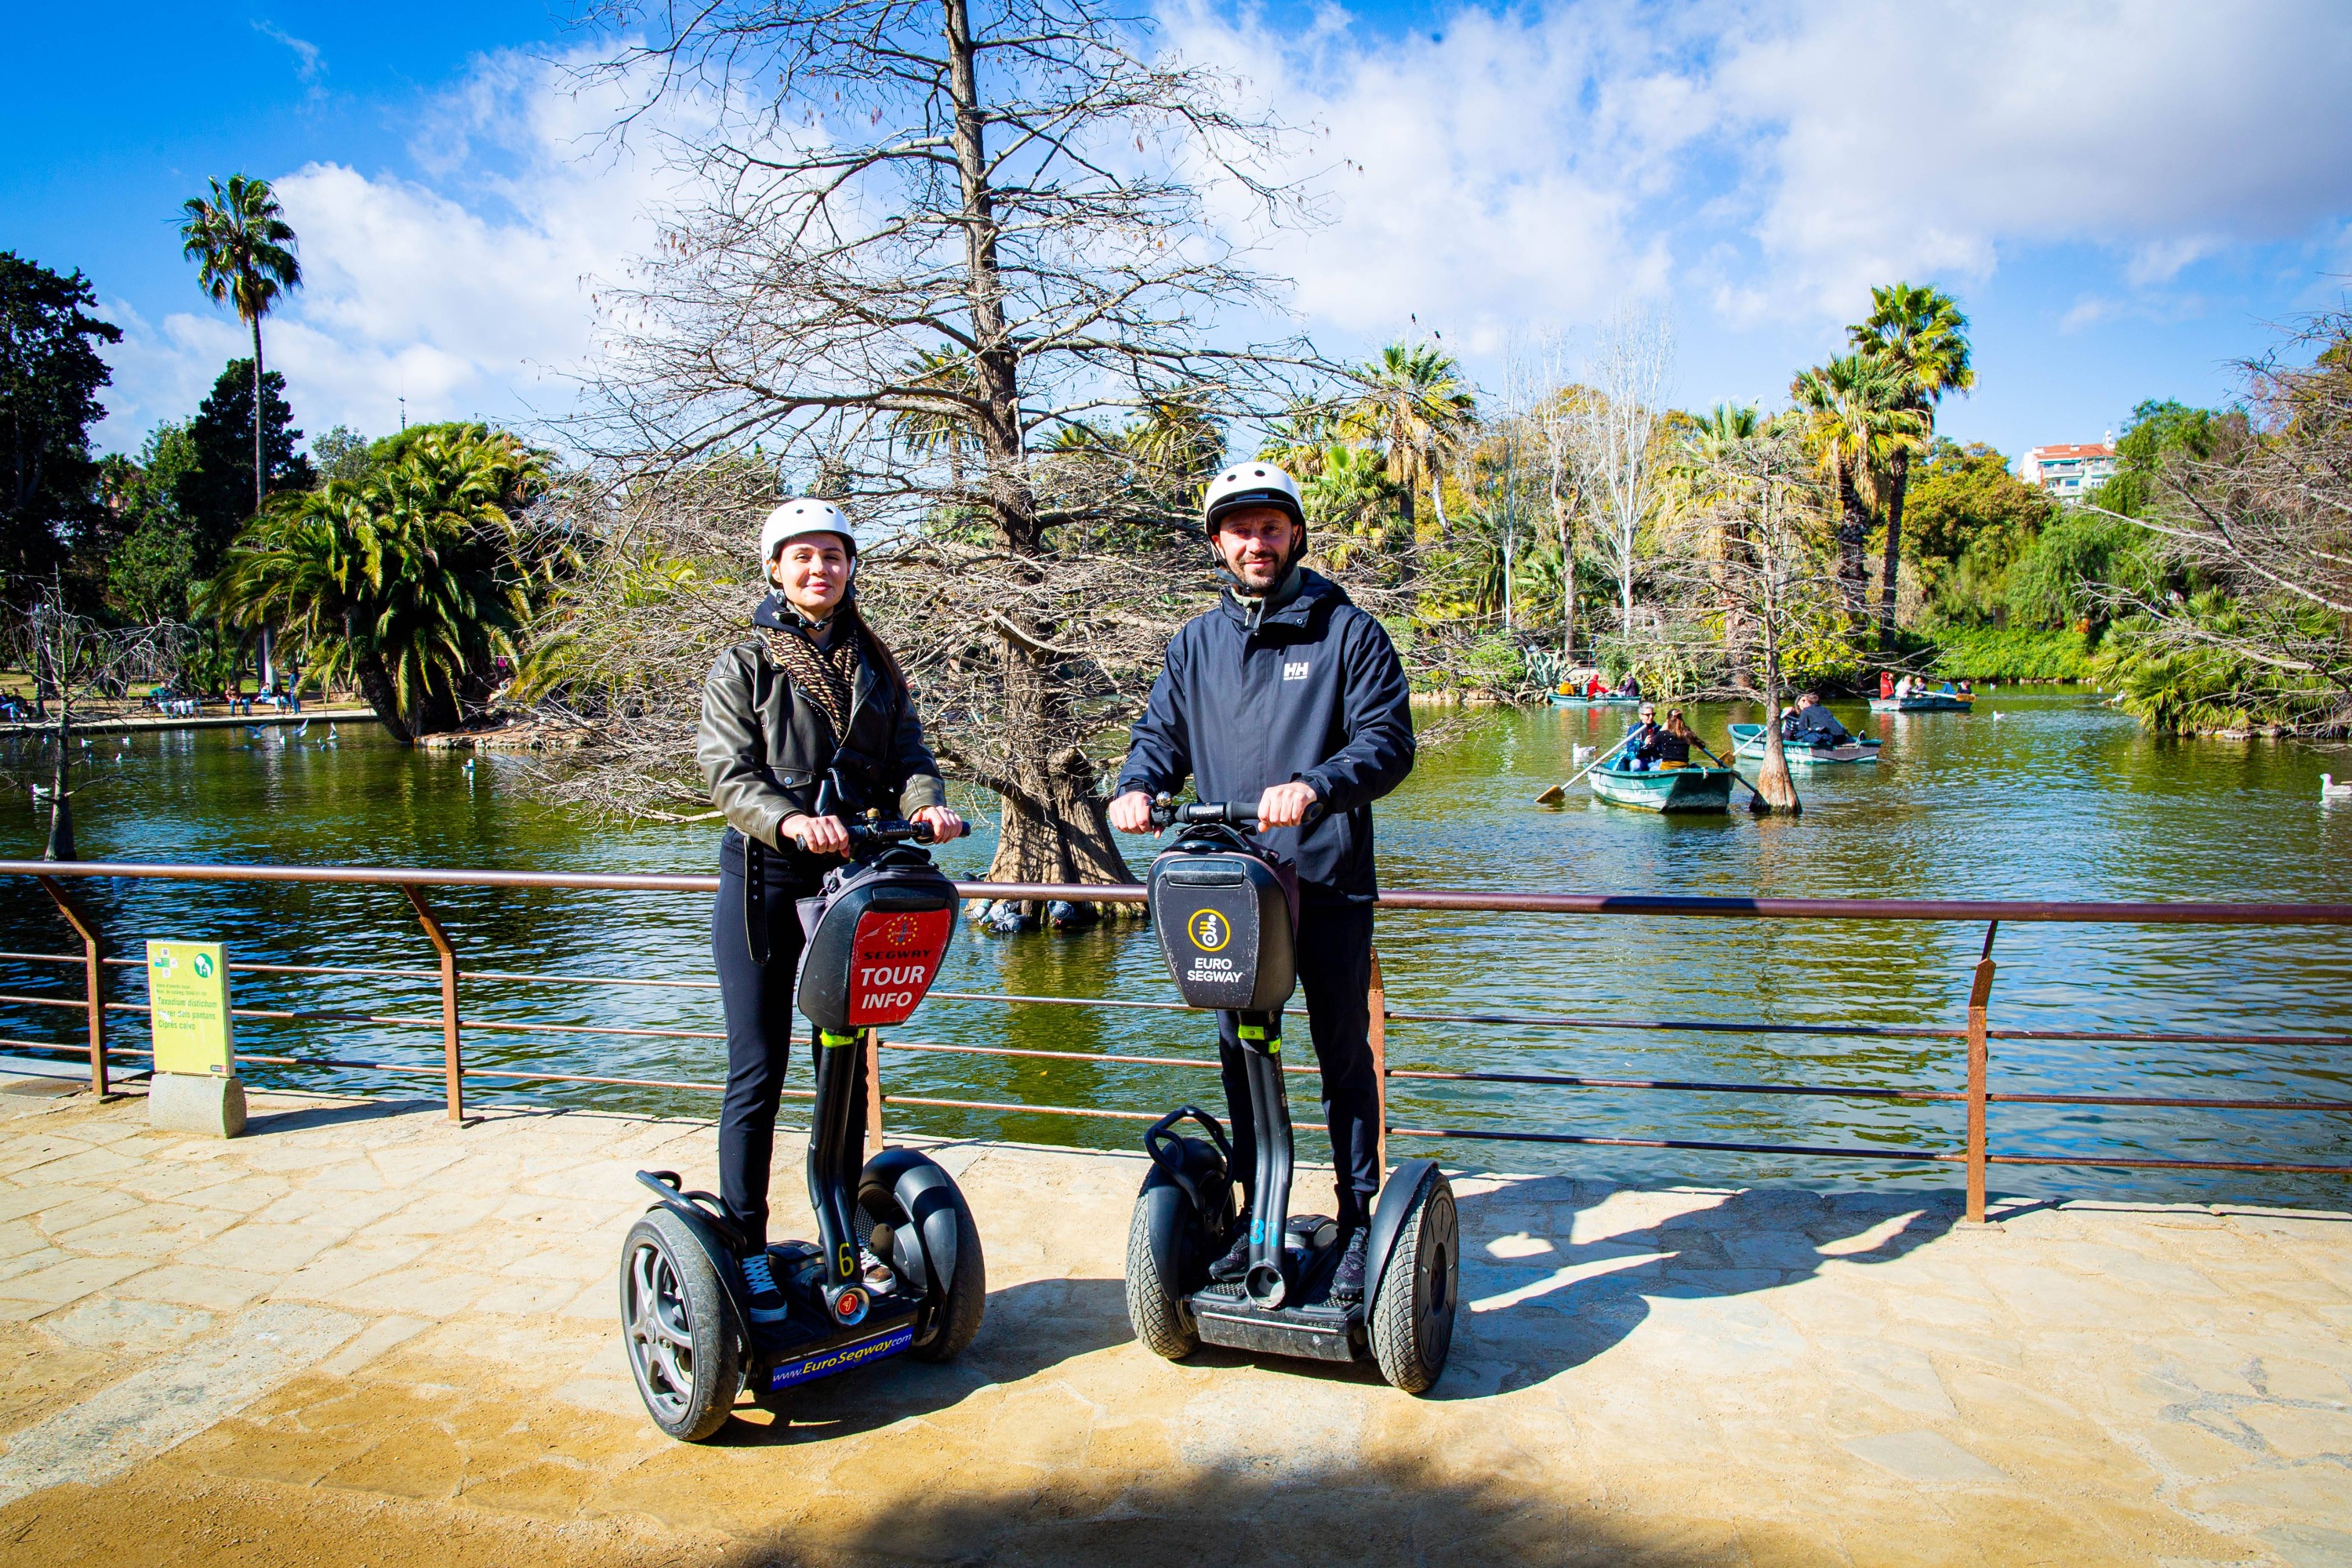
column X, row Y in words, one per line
column 1977, row 1096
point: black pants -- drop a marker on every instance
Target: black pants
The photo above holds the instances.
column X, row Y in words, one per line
column 758, row 1000
column 1334, row 971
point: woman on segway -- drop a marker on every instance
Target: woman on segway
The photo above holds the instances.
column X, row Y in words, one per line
column 806, row 722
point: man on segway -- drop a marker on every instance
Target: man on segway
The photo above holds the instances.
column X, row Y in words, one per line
column 1287, row 694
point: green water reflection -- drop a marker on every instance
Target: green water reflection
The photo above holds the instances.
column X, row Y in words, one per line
column 2058, row 797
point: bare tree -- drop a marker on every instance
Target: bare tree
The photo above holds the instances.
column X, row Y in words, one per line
column 1556, row 415
column 1750, row 544
column 74, row 658
column 1615, row 435
column 2262, row 526
column 935, row 245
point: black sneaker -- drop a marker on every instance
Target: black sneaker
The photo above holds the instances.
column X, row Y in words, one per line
column 767, row 1301
column 1234, row 1264
column 1348, row 1280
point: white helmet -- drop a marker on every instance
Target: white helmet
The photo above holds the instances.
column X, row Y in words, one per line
column 807, row 515
column 1251, row 484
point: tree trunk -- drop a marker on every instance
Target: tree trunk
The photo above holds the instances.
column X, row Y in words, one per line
column 61, row 834
column 1738, row 566
column 1898, row 480
column 437, row 707
column 1052, row 819
column 260, row 473
column 375, row 684
column 1853, row 542
column 1774, row 788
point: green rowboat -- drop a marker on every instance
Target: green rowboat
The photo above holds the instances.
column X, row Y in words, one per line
column 1925, row 702
column 1747, row 741
column 1673, row 789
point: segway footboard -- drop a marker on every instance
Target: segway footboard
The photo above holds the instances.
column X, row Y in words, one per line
column 1225, row 1316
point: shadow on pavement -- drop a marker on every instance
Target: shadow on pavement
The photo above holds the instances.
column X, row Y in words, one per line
column 1368, row 1515
column 1028, row 1328
column 1536, row 1302
column 268, row 1122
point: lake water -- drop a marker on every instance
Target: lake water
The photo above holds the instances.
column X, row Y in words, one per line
column 2059, row 796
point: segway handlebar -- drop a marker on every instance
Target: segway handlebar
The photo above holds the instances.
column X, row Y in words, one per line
column 1231, row 814
column 881, row 834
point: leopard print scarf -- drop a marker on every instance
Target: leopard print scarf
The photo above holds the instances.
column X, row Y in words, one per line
column 828, row 676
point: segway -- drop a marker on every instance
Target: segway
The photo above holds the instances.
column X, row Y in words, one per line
column 1225, row 912
column 897, row 1269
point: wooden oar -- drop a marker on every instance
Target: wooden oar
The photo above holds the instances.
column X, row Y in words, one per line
column 1559, row 792
column 1754, row 794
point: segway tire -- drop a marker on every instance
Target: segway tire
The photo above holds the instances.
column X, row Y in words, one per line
column 967, row 1292
column 1160, row 1320
column 1411, row 1323
column 682, row 1344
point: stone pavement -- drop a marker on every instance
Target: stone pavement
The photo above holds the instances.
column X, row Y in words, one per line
column 360, row 1334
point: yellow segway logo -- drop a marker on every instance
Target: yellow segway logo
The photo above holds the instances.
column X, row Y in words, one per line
column 1209, row 931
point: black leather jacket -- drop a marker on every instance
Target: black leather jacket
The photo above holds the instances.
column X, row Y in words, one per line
column 764, row 747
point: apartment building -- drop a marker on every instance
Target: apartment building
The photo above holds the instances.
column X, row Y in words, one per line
column 2068, row 472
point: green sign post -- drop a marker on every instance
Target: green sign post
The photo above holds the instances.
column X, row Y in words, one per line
column 195, row 1086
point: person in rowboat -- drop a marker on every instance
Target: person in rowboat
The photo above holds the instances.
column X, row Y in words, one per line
column 1817, row 725
column 1675, row 745
column 1650, row 744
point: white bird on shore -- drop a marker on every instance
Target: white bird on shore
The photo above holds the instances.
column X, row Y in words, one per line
column 2328, row 787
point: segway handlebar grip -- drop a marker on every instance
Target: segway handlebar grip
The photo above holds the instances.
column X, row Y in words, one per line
column 1233, row 814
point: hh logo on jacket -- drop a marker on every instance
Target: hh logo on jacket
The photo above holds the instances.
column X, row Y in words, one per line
column 1296, row 671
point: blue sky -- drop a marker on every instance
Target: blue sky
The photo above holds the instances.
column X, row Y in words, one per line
column 2122, row 193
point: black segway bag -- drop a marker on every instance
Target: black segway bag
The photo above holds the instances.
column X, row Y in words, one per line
column 1228, row 925
column 876, row 937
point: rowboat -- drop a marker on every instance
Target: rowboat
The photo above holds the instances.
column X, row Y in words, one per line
column 1563, row 700
column 1669, row 789
column 1747, row 741
column 1925, row 702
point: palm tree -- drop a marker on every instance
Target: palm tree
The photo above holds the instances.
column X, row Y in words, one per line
column 406, row 580
column 243, row 251
column 1921, row 331
column 1415, row 404
column 1296, row 442
column 1857, row 414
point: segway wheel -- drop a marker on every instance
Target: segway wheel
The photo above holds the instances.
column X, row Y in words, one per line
column 1159, row 1319
column 1411, row 1323
column 682, row 1346
column 958, row 1316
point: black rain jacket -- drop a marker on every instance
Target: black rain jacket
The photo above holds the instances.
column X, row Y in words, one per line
column 1311, row 690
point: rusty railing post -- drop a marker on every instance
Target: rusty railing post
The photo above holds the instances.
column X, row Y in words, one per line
column 93, row 982
column 1980, row 992
column 1377, row 1003
column 452, row 1057
column 873, row 1092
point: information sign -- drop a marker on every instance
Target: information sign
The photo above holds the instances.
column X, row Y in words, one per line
column 187, row 987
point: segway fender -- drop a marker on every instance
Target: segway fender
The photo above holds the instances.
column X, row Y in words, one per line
column 1167, row 1212
column 1406, row 1189
column 723, row 1263
column 924, row 1191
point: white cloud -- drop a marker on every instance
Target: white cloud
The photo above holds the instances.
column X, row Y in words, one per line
column 468, row 291
column 1926, row 138
column 1753, row 163
column 1770, row 160
column 308, row 62
column 1478, row 179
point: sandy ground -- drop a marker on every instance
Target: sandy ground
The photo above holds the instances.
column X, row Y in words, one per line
column 361, row 1335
